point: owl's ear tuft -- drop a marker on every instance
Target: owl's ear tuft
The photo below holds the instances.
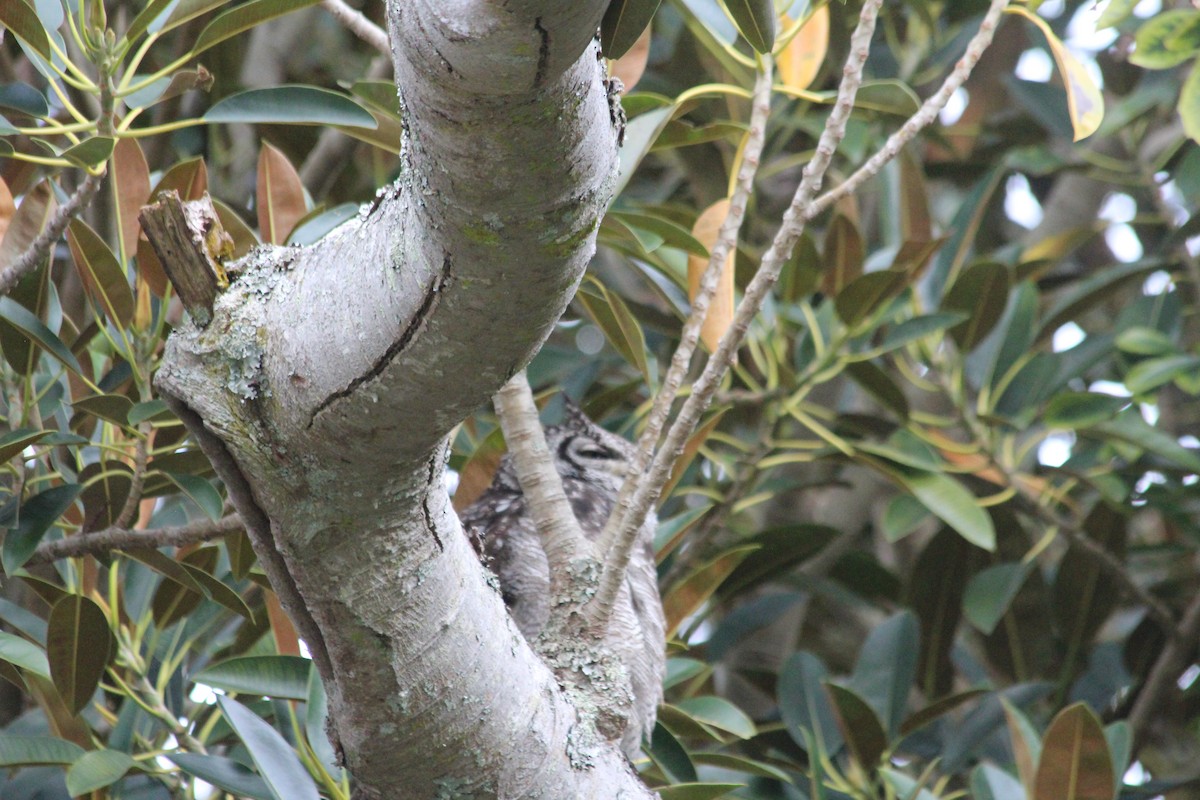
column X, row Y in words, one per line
column 573, row 416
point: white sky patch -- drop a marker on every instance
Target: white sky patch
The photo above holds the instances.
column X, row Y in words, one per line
column 1051, row 9
column 304, row 651
column 1147, row 8
column 1190, row 480
column 955, row 107
column 1149, row 479
column 1035, row 65
column 451, row 477
column 589, row 340
column 1019, row 203
column 1157, row 283
column 1055, row 450
column 1124, row 243
column 1173, row 199
column 202, row 693
column 1109, row 388
column 1189, row 677
column 1136, row 775
column 1082, row 33
column 1118, row 207
column 1189, row 441
column 1149, row 412
column 1067, row 337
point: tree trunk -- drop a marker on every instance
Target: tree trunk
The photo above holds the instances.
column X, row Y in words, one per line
column 329, row 378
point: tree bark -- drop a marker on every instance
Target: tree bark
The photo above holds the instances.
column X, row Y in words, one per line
column 327, row 383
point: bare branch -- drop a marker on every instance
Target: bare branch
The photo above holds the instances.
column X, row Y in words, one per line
column 359, row 25
column 1163, row 675
column 726, row 240
column 36, row 252
column 138, row 481
column 115, row 538
column 559, row 530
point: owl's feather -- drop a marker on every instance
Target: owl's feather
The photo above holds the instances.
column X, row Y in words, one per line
column 592, row 464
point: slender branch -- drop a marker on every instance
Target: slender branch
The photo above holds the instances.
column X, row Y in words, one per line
column 562, row 538
column 137, row 483
column 359, row 25
column 649, row 488
column 726, row 240
column 36, row 252
column 115, row 538
column 1164, row 674
column 925, row 115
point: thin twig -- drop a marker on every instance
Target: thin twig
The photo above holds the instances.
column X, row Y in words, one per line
column 359, row 25
column 1164, row 674
column 33, row 255
column 562, row 538
column 726, row 240
column 114, row 538
column 137, row 482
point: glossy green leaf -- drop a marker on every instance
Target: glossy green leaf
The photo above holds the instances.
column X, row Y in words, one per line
column 36, row 516
column 18, row 17
column 18, row 751
column 845, row 253
column 200, row 491
column 1144, row 341
column 1075, row 763
column 902, row 516
column 79, row 645
column 20, row 96
column 989, row 782
column 904, row 786
column 981, row 292
column 620, row 327
column 623, row 23
column 214, row 588
column 224, row 773
column 1152, row 373
column 685, row 597
column 860, row 727
column 114, row 408
column 1114, row 13
column 1088, row 293
column 1119, row 736
column 276, row 760
column 1167, row 39
column 1189, row 103
column 719, row 713
column 755, row 20
column 242, row 18
column 778, row 551
column 950, row 501
column 150, row 410
column 1131, row 428
column 935, row 594
column 918, row 328
column 293, row 105
column 264, row 676
column 804, row 704
column 671, row 233
column 749, row 766
column 16, row 441
column 96, row 769
column 23, row 654
column 148, row 15
column 1072, row 410
column 640, row 135
column 865, row 294
column 670, row 756
column 990, row 592
column 90, row 152
column 884, row 672
column 316, row 715
column 938, row 709
column 880, row 385
column 20, row 318
column 102, row 275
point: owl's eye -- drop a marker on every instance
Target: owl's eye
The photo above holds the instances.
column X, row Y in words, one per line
column 598, row 451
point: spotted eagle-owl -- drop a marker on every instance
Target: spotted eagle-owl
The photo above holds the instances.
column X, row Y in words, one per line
column 592, row 463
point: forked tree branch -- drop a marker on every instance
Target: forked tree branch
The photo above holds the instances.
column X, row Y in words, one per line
column 116, row 538
column 355, row 22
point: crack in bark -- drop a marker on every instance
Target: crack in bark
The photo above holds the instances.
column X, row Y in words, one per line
column 543, row 53
column 428, row 306
column 425, row 510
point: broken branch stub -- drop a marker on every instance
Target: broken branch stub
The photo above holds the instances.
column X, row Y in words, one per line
column 192, row 245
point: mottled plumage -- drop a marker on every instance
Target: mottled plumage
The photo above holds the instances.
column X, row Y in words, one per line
column 592, row 463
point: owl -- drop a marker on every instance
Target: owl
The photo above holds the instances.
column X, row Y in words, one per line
column 592, row 463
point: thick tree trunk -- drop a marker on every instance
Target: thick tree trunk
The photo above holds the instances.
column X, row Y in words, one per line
column 329, row 378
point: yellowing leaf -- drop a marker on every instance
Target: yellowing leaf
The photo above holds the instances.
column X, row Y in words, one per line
column 1075, row 762
column 131, row 190
column 1085, row 104
column 279, row 194
column 720, row 308
column 800, row 59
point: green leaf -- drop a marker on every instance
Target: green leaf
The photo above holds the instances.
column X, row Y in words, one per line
column 670, row 756
column 224, row 773
column 719, row 713
column 989, row 782
column 1114, row 13
column 623, row 23
column 1143, row 341
column 950, row 501
column 246, row 16
column 102, row 275
column 200, row 491
column 149, row 410
column 1189, row 103
column 276, row 761
column 981, row 292
column 23, row 654
column 16, row 441
column 685, row 597
column 990, row 592
column 902, row 785
column 1073, row 410
column 19, row 317
column 640, row 134
column 902, row 516
column 20, row 96
column 114, row 408
column 741, row 764
column 755, row 20
column 263, row 676
column 1090, row 292
column 879, row 385
column 152, row 11
column 18, row 17
column 294, row 105
column 885, row 670
column 697, row 791
column 865, row 294
column 316, row 714
column 1120, row 744
column 671, row 233
column 778, row 551
column 804, row 705
column 90, row 152
column 864, row 735
column 1075, row 763
column 1154, row 372
column 37, row 515
column 16, row 751
column 96, row 769
column 1131, row 428
column 618, row 323
column 79, row 644
column 1167, row 39
column 682, row 669
column 917, row 328
column 938, row 709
